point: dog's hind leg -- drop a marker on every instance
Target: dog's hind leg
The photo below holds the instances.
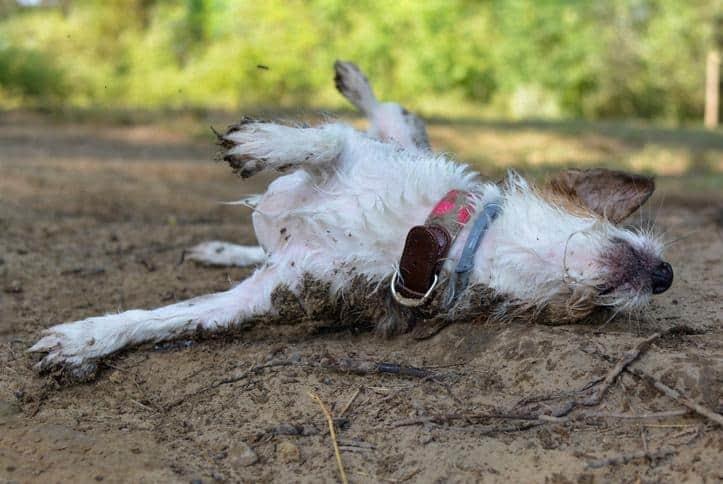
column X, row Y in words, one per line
column 76, row 346
column 387, row 121
column 351, row 82
column 225, row 254
column 255, row 146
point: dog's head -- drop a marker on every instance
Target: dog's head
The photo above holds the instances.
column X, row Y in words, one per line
column 562, row 249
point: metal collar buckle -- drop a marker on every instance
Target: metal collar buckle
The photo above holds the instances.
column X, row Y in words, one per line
column 408, row 301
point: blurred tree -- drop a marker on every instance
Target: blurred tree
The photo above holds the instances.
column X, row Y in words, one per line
column 712, row 81
column 27, row 74
column 520, row 58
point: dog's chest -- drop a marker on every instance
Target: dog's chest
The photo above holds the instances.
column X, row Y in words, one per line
column 365, row 304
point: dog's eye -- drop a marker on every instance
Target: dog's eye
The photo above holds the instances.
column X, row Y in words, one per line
column 404, row 111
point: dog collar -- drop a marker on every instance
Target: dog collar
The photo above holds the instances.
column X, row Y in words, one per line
column 459, row 279
column 427, row 246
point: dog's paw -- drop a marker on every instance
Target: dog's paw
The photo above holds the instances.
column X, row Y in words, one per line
column 66, row 352
column 252, row 146
column 246, row 146
column 244, row 165
column 351, row 82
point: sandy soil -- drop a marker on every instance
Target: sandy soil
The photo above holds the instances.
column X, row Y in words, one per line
column 94, row 219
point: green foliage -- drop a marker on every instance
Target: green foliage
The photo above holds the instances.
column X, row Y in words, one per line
column 27, row 74
column 518, row 58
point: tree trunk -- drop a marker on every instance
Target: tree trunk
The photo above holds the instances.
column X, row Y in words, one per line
column 712, row 89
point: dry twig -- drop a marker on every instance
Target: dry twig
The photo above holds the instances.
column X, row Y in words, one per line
column 640, row 416
column 643, row 439
column 677, row 396
column 365, row 367
column 612, row 375
column 349, row 402
column 670, row 392
column 341, row 365
column 625, row 458
column 332, row 432
column 228, row 380
column 529, row 409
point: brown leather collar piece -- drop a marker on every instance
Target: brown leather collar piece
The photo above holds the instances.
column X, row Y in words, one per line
column 427, row 246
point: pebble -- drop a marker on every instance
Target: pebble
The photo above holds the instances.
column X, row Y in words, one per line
column 242, row 455
column 288, row 452
column 15, row 287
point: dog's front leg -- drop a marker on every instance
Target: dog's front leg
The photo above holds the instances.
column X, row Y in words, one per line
column 77, row 346
column 255, row 146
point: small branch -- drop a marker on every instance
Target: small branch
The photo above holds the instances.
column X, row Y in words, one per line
column 621, row 416
column 642, row 416
column 625, row 458
column 472, row 418
column 643, row 439
column 341, row 365
column 228, row 380
column 349, row 402
column 332, row 432
column 143, row 406
column 677, row 396
column 612, row 375
column 366, row 367
column 671, row 392
column 560, row 412
column 356, row 443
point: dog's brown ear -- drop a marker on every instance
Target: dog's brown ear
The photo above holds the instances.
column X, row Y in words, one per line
column 611, row 194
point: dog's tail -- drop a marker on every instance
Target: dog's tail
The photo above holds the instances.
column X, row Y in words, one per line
column 352, row 84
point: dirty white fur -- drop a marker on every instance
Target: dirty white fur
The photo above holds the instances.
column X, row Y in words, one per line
column 353, row 85
column 217, row 253
column 76, row 345
column 344, row 210
column 536, row 249
column 388, row 121
column 312, row 146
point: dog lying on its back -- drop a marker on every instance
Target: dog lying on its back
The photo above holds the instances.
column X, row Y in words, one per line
column 333, row 233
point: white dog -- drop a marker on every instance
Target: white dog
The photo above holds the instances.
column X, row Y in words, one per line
column 377, row 228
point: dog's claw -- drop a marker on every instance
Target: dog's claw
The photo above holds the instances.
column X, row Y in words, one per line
column 244, row 164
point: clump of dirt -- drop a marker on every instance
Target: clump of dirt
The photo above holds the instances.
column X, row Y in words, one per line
column 95, row 219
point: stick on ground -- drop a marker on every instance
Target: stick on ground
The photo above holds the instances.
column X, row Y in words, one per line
column 350, row 401
column 332, row 432
column 677, row 396
column 615, row 371
column 625, row 458
column 670, row 392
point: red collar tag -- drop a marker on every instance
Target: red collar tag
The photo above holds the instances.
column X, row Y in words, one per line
column 452, row 212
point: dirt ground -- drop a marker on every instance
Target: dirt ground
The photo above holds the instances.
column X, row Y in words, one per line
column 94, row 219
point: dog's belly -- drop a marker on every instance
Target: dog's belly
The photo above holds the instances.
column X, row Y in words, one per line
column 299, row 221
column 276, row 217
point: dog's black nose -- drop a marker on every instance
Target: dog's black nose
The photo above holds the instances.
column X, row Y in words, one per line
column 662, row 277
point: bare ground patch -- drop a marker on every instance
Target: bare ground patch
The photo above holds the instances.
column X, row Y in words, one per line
column 94, row 219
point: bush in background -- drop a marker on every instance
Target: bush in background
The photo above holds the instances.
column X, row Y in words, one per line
column 512, row 58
